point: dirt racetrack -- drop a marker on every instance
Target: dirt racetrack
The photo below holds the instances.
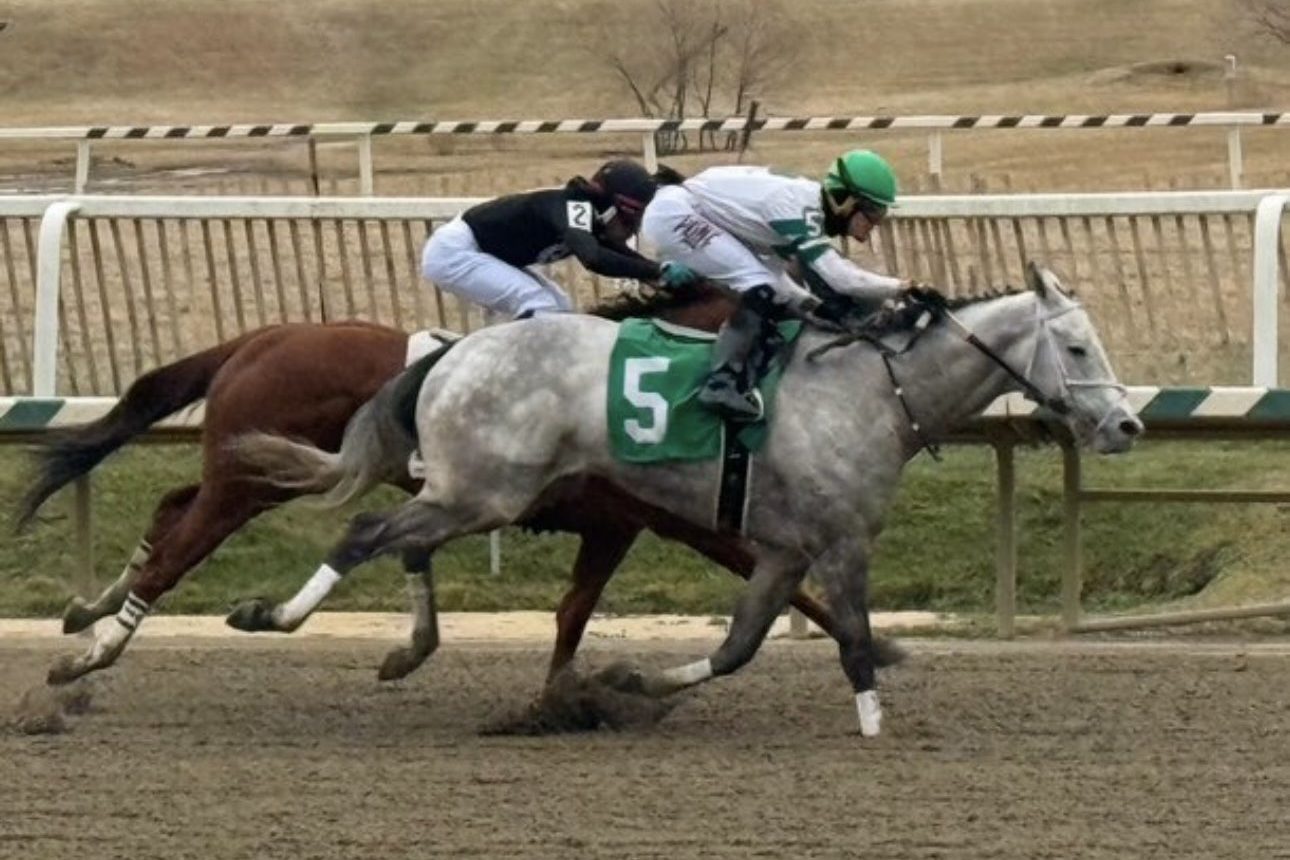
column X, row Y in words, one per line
column 258, row 748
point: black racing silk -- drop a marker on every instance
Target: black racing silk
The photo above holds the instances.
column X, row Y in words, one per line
column 551, row 224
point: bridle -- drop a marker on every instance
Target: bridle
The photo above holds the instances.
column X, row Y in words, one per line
column 1061, row 403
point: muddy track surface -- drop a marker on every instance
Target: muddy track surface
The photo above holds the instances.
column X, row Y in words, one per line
column 292, row 749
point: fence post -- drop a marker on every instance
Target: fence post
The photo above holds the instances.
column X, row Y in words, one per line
column 1267, row 240
column 82, row 166
column 85, row 535
column 495, row 552
column 650, row 147
column 365, row 184
column 796, row 625
column 1073, row 574
column 934, row 161
column 1005, row 593
column 44, row 364
column 1235, row 161
column 49, row 265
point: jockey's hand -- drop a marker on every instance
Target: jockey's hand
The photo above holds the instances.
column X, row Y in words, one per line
column 835, row 310
column 926, row 295
column 832, row 316
column 676, row 276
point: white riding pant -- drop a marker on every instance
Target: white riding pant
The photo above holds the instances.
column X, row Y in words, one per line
column 675, row 230
column 452, row 259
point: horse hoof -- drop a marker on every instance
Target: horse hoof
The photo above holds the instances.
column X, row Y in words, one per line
column 77, row 616
column 399, row 663
column 65, row 670
column 252, row 616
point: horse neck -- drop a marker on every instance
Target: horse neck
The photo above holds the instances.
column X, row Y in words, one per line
column 947, row 380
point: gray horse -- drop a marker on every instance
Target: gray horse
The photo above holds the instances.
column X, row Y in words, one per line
column 514, row 413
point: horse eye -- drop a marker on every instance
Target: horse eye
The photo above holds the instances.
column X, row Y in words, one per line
column 1077, row 351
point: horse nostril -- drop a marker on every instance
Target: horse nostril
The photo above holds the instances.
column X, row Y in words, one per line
column 1130, row 427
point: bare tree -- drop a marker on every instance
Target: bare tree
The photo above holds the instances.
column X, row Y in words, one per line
column 763, row 45
column 1271, row 18
column 711, row 52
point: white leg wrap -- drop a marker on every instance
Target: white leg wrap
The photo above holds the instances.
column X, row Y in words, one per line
column 290, row 615
column 690, row 674
column 111, row 638
column 870, row 713
column 138, row 558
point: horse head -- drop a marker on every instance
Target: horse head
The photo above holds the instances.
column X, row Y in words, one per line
column 1070, row 368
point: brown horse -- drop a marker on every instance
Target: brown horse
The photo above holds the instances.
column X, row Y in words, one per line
column 306, row 381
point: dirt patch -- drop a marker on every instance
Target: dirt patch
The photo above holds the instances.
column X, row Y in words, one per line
column 578, row 702
column 1158, row 72
column 291, row 748
column 43, row 710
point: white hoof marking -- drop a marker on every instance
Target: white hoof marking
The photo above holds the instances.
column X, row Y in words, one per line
column 870, row 713
column 690, row 674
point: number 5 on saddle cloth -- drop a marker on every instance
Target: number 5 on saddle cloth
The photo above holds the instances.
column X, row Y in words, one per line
column 655, row 372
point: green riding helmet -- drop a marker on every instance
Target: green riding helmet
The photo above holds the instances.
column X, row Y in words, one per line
column 861, row 178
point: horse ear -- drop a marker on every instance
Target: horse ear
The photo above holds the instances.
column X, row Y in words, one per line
column 1035, row 279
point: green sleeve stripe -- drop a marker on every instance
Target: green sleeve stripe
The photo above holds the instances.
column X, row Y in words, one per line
column 791, row 228
column 812, row 251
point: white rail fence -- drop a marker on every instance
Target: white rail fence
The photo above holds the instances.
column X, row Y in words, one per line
column 361, row 134
column 100, row 289
column 130, row 283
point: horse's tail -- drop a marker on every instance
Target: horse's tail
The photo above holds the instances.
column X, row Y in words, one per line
column 67, row 454
column 378, row 441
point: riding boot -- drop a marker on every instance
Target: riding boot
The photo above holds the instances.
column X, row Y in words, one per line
column 730, row 388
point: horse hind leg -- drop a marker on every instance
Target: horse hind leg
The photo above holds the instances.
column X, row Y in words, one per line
column 80, row 614
column 209, row 518
column 419, row 524
column 363, row 541
column 403, row 660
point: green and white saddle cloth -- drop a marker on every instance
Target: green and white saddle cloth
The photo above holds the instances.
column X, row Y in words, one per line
column 655, row 372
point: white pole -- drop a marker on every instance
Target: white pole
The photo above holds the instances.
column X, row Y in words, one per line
column 1267, row 238
column 49, row 263
column 1235, row 161
column 495, row 552
column 82, row 166
column 934, row 160
column 651, row 152
column 797, row 628
column 365, row 186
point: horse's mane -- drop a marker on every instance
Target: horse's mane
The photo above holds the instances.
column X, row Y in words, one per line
column 957, row 302
column 626, row 305
column 904, row 318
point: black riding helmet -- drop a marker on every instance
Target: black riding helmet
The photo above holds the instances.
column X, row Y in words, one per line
column 625, row 189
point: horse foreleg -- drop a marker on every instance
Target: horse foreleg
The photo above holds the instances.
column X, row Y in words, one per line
column 80, row 614
column 599, row 555
column 772, row 583
column 211, row 517
column 425, row 620
column 843, row 571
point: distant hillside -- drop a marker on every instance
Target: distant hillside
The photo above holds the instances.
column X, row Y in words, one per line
column 68, row 61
